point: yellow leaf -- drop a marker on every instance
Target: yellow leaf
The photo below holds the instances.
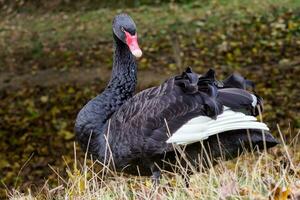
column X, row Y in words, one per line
column 282, row 193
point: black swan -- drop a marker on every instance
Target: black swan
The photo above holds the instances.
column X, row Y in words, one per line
column 138, row 132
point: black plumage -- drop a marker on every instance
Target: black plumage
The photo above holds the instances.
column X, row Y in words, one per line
column 133, row 130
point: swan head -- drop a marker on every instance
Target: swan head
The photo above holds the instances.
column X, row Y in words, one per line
column 124, row 29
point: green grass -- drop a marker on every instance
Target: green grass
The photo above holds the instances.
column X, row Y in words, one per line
column 95, row 25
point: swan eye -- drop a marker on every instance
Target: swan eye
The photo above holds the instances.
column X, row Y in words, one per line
column 122, row 29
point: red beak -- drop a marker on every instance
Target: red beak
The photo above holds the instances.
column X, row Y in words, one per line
column 133, row 45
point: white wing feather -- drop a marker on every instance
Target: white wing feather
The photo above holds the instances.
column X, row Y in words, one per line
column 200, row 128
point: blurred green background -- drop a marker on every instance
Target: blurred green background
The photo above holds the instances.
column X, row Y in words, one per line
column 56, row 55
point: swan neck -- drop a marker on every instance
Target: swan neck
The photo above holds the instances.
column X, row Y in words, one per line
column 92, row 120
column 124, row 64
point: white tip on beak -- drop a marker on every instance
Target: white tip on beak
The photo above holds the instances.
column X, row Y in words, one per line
column 137, row 53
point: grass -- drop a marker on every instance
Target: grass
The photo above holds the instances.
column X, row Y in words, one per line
column 52, row 27
column 31, row 41
column 256, row 175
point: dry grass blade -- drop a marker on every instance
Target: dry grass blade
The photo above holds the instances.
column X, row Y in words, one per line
column 253, row 175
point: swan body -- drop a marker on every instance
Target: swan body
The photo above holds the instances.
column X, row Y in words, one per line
column 138, row 132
